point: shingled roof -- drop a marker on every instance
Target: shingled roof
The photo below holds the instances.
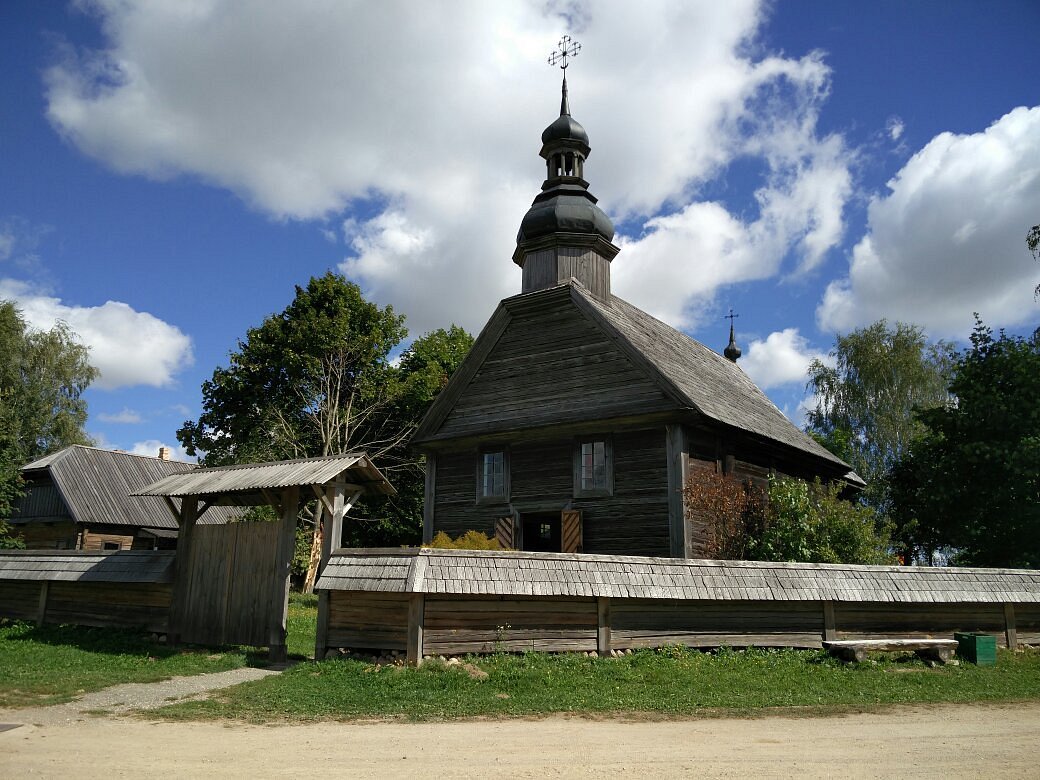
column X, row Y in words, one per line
column 76, row 566
column 96, row 486
column 692, row 376
column 435, row 571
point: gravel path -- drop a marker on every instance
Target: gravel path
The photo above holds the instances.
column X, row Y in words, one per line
column 941, row 742
column 120, row 699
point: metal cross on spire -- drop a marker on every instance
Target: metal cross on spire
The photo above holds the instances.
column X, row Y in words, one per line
column 564, row 49
column 731, row 316
column 732, row 351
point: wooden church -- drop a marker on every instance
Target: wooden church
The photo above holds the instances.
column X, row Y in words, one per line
column 577, row 419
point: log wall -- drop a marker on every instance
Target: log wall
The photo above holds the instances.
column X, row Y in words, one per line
column 631, row 521
column 459, row 624
column 105, row 604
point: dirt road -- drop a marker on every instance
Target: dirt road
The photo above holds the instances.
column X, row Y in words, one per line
column 943, row 741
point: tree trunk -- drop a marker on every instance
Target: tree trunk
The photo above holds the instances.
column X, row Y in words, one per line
column 315, row 556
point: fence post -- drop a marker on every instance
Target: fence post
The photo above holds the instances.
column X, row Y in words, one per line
column 1010, row 631
column 41, row 611
column 182, row 569
column 277, row 650
column 416, row 624
column 603, row 626
column 331, row 539
column 830, row 633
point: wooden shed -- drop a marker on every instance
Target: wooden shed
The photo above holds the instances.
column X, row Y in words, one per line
column 81, row 498
column 577, row 419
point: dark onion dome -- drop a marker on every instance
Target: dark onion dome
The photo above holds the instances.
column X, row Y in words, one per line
column 565, row 208
column 565, row 128
column 732, row 351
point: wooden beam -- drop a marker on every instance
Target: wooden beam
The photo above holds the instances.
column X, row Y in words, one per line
column 279, row 607
column 173, row 509
column 41, row 610
column 830, row 633
column 603, row 626
column 181, row 598
column 1010, row 631
column 334, row 501
column 429, row 497
column 272, row 499
column 416, row 625
column 675, row 445
column 205, row 505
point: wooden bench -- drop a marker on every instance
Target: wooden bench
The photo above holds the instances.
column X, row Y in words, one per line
column 938, row 650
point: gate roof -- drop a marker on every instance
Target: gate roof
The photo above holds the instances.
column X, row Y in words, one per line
column 246, row 483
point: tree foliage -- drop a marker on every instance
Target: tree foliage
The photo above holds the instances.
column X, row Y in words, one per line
column 794, row 521
column 865, row 400
column 1033, row 243
column 972, row 481
column 43, row 374
column 318, row 379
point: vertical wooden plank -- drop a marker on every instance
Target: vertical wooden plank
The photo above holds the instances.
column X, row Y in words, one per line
column 830, row 632
column 416, row 625
column 279, row 605
column 180, row 604
column 676, row 450
column 429, row 497
column 1010, row 631
column 41, row 611
column 603, row 627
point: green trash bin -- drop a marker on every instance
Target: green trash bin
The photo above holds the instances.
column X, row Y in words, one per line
column 980, row 649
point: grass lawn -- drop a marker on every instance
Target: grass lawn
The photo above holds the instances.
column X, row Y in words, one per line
column 54, row 664
column 670, row 682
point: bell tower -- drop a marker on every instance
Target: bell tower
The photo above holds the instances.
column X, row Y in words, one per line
column 564, row 234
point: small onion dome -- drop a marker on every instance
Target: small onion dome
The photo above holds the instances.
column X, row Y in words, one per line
column 732, row 351
column 565, row 128
column 565, row 208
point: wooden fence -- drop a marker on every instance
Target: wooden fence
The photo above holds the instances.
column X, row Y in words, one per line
column 433, row 602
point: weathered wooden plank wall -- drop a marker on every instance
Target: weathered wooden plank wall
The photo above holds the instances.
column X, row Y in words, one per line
column 456, row 624
column 486, row 624
column 632, row 521
column 228, row 584
column 105, row 604
column 377, row 621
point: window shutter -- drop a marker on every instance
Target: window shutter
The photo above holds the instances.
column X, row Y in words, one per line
column 504, row 532
column 570, row 522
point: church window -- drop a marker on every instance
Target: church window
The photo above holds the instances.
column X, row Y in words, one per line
column 594, row 468
column 493, row 476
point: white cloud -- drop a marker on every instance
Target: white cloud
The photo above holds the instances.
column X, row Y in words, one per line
column 895, row 127
column 948, row 238
column 305, row 110
column 781, row 359
column 150, row 448
column 126, row 416
column 128, row 347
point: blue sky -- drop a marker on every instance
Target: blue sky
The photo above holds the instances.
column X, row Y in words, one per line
column 170, row 170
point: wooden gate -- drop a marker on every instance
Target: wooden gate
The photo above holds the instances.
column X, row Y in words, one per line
column 228, row 581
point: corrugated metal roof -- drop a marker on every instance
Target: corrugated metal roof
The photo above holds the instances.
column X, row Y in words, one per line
column 557, row 574
column 98, row 487
column 74, row 566
column 251, row 477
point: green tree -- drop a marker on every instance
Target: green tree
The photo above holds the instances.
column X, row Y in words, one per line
column 865, row 401
column 972, row 481
column 1033, row 243
column 810, row 522
column 318, row 379
column 43, row 374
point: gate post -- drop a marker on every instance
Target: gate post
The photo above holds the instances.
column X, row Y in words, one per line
column 331, row 539
column 179, row 604
column 277, row 650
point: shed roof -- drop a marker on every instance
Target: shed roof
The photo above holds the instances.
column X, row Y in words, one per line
column 243, row 484
column 511, row 573
column 76, row 566
column 98, row 486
